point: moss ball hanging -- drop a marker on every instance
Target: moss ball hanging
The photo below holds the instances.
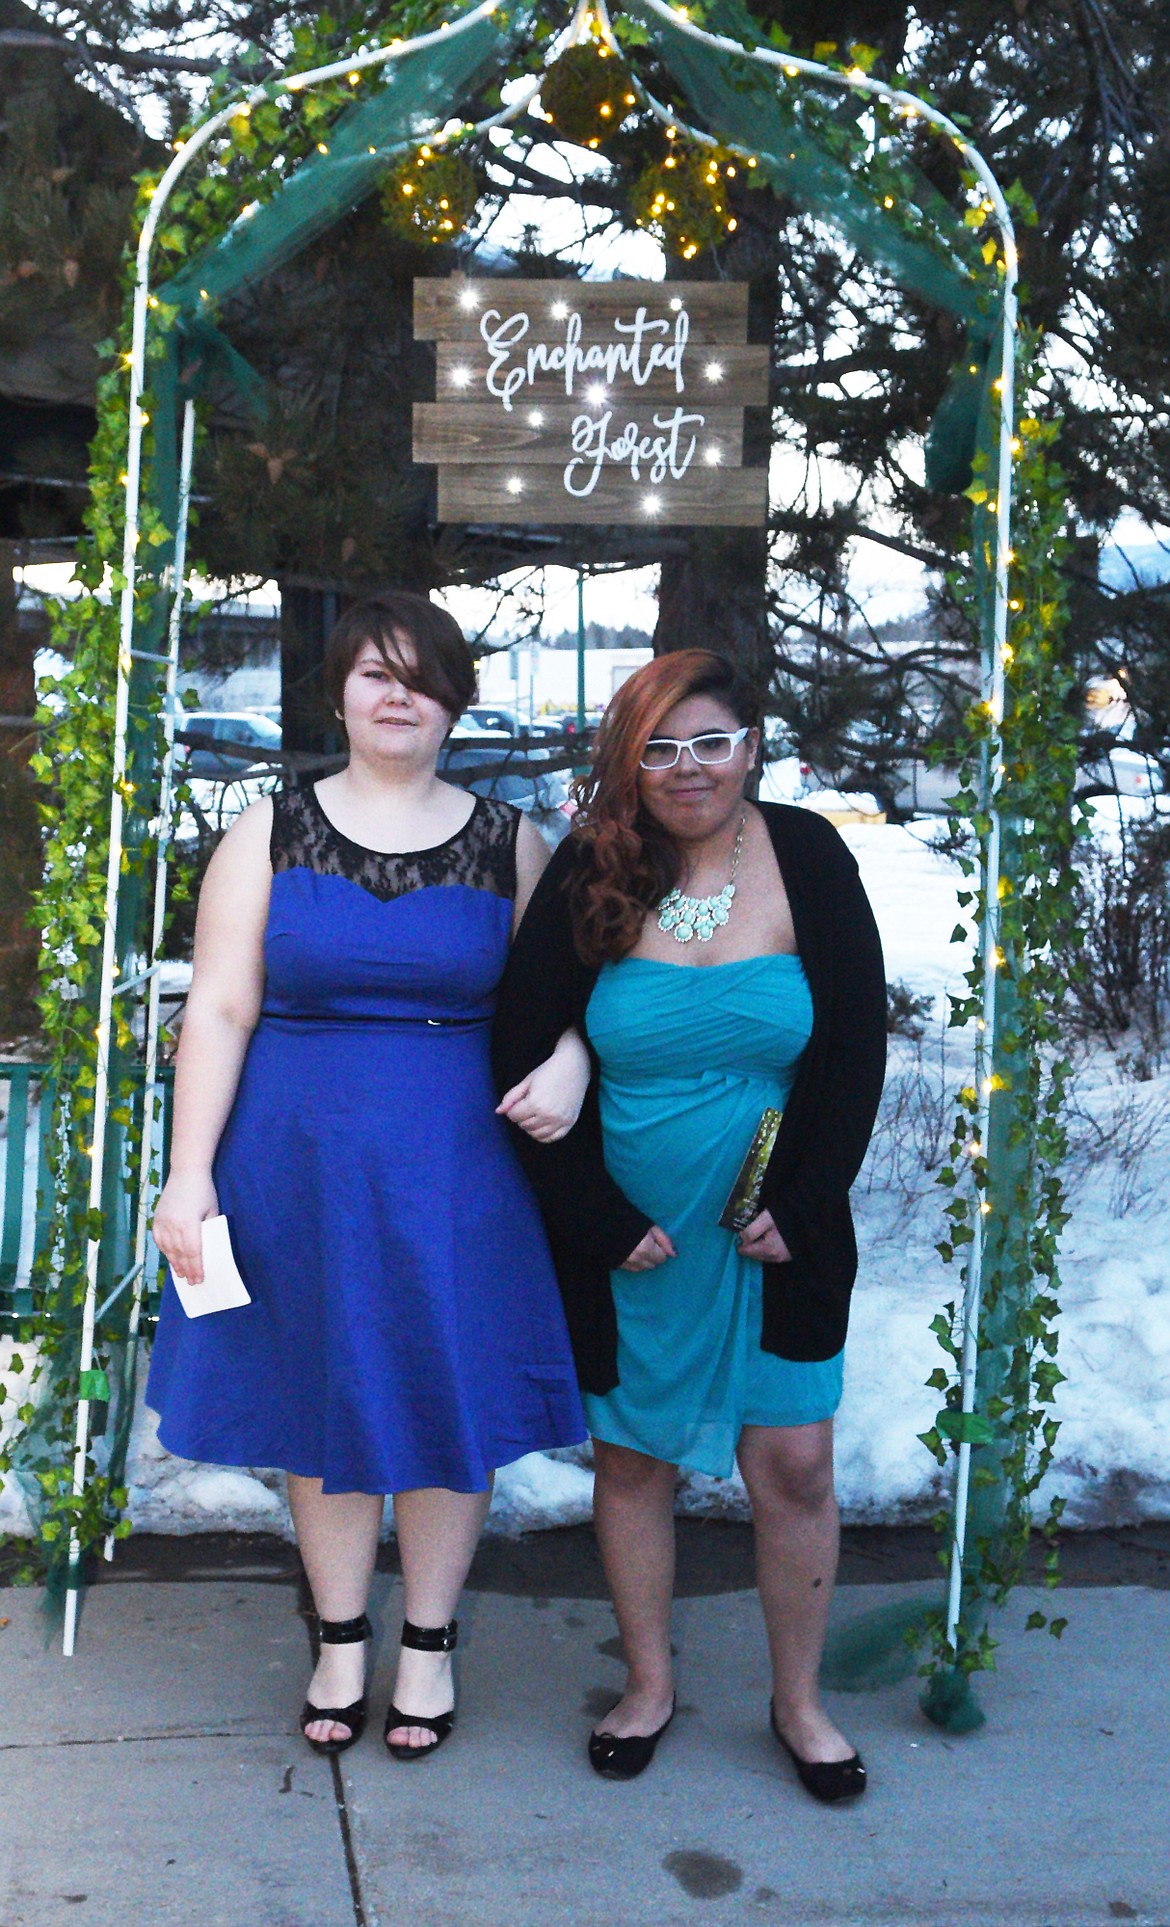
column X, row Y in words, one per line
column 683, row 199
column 587, row 94
column 430, row 196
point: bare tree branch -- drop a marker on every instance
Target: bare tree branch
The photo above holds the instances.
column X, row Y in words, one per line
column 88, row 54
column 786, row 523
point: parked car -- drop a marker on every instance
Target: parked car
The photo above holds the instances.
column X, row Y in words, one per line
column 474, row 762
column 487, row 716
column 550, row 729
column 249, row 729
column 924, row 789
column 567, row 724
column 543, row 732
column 1121, row 772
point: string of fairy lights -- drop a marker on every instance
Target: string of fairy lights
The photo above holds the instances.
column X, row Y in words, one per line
column 586, row 96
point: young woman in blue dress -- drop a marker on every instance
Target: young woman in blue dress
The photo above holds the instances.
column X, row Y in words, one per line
column 333, row 1097
column 721, row 960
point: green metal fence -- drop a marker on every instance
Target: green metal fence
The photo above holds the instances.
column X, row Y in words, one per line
column 27, row 1189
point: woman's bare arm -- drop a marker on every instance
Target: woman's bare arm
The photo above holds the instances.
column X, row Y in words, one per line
column 222, row 1011
column 532, row 855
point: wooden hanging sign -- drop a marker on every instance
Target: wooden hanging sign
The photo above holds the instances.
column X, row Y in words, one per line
column 591, row 401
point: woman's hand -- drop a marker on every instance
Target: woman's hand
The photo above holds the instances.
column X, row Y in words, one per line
column 655, row 1248
column 547, row 1103
column 187, row 1199
column 763, row 1242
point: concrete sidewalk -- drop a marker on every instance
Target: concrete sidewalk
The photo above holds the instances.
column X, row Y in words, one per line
column 155, row 1778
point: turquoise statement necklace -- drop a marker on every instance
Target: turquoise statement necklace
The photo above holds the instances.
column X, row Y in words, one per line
column 685, row 917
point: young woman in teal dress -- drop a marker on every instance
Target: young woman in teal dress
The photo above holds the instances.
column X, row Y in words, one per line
column 721, row 960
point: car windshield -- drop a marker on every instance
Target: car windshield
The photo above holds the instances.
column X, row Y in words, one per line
column 250, row 729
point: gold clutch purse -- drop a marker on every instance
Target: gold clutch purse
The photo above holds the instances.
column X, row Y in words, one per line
column 744, row 1203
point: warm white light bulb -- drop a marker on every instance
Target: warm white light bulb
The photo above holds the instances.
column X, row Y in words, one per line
column 535, row 417
column 712, row 457
column 595, row 395
column 675, row 305
column 515, row 485
column 651, row 504
column 559, row 310
column 460, row 377
column 469, row 298
column 714, row 371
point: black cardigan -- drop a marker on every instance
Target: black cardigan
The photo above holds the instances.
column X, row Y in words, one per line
column 592, row 1226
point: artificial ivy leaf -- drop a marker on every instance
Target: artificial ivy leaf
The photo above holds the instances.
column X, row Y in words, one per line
column 965, row 1428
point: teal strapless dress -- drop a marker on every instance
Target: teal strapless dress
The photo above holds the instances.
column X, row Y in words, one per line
column 690, row 1058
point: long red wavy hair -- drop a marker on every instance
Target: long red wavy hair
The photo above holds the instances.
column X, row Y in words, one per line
column 626, row 861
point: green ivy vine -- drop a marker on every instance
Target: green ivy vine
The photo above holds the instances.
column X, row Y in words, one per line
column 1013, row 1429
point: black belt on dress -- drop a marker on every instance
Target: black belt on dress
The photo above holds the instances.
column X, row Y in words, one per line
column 342, row 1017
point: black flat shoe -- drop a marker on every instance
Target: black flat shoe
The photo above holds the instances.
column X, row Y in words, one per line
column 827, row 1780
column 422, row 1639
column 338, row 1632
column 624, row 1759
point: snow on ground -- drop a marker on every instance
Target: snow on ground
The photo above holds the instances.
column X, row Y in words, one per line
column 1113, row 1456
column 913, row 893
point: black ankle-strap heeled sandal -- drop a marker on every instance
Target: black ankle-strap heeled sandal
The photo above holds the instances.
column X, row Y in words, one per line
column 338, row 1632
column 422, row 1639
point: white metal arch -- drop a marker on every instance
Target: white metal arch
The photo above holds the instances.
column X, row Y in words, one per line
column 578, row 26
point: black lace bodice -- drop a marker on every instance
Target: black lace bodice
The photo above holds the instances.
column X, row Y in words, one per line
column 482, row 855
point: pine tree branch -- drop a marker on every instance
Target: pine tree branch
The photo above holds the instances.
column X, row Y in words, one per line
column 537, row 182
column 787, row 523
column 93, row 56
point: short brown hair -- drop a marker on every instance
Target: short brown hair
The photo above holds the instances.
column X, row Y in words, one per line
column 444, row 667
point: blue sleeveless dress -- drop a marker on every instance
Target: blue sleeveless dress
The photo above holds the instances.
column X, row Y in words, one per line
column 690, row 1058
column 405, row 1328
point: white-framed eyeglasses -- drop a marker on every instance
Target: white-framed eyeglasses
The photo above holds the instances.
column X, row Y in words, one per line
column 715, row 746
